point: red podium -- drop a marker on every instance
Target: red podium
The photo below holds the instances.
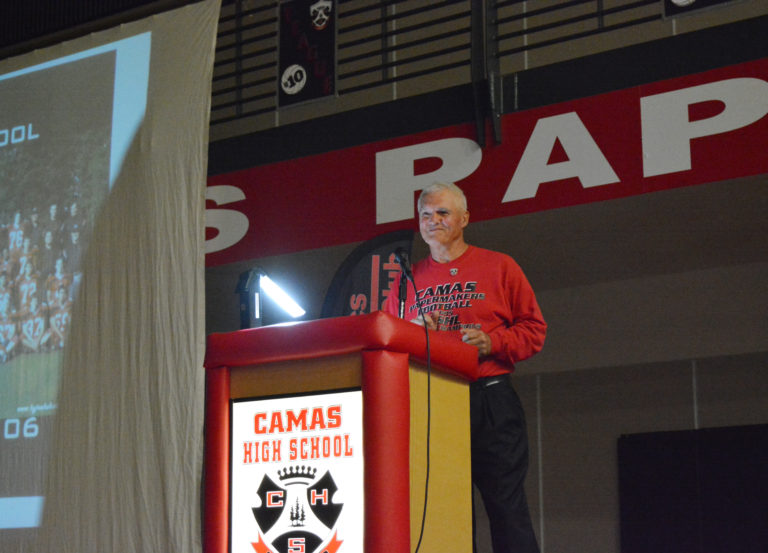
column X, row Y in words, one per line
column 386, row 359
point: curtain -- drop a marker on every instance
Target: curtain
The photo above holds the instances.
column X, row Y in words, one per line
column 125, row 461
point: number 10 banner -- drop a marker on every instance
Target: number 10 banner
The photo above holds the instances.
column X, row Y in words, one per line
column 307, row 50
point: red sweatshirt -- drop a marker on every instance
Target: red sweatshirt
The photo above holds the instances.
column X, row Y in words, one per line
column 481, row 289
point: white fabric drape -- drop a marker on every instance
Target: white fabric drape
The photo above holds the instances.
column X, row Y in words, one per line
column 125, row 465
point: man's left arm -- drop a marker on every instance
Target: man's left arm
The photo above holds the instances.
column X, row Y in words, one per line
column 524, row 338
column 524, row 333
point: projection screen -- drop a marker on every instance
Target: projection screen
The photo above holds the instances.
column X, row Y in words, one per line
column 103, row 145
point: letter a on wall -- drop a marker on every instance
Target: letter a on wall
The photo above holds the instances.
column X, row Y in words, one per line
column 307, row 67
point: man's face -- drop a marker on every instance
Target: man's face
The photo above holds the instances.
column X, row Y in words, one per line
column 442, row 219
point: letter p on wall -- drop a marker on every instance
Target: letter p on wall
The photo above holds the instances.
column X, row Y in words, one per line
column 666, row 128
column 396, row 181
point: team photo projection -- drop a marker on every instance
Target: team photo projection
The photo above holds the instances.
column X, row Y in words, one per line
column 62, row 134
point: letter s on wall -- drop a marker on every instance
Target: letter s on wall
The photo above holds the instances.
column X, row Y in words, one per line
column 231, row 224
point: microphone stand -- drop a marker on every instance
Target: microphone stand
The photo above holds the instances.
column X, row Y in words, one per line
column 402, row 294
column 402, row 257
column 405, row 275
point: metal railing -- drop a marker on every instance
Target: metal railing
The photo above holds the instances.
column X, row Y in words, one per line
column 411, row 46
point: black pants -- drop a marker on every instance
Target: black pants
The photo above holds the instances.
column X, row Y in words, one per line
column 500, row 463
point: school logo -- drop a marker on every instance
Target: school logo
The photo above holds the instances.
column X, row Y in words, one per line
column 297, row 474
column 297, row 514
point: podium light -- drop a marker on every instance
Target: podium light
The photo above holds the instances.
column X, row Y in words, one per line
column 281, row 297
column 250, row 286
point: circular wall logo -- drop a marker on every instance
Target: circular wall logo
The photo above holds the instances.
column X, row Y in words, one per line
column 293, row 80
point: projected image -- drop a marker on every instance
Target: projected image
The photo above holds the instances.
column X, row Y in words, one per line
column 59, row 152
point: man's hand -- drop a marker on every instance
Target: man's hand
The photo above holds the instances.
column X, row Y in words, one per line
column 426, row 321
column 477, row 338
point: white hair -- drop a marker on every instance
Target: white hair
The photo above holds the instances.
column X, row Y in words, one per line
column 439, row 187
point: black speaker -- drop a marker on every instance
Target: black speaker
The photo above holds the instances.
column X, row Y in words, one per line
column 695, row 491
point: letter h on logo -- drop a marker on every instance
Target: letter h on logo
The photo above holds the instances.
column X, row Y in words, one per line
column 321, row 497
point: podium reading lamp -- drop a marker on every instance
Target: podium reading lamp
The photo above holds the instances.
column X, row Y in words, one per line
column 250, row 287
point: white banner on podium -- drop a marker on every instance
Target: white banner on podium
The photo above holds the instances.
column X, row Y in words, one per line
column 297, row 474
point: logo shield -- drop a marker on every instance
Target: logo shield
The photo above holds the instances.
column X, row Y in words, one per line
column 299, row 515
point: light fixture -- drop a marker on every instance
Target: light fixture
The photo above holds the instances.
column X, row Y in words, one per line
column 250, row 286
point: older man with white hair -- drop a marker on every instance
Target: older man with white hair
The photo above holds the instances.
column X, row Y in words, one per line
column 484, row 299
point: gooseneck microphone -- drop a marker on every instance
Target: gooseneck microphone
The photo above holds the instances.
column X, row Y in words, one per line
column 402, row 258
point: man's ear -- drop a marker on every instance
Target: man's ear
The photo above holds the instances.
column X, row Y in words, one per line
column 465, row 219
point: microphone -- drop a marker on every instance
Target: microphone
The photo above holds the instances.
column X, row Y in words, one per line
column 401, row 256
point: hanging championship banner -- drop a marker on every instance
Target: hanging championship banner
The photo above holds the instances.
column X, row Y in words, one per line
column 362, row 282
column 297, row 474
column 307, row 67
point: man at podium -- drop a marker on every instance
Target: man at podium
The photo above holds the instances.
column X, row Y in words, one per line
column 484, row 299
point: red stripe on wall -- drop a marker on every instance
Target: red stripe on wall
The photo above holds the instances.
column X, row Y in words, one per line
column 331, row 198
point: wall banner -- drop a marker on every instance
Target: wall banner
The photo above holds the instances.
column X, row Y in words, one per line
column 691, row 130
column 307, row 50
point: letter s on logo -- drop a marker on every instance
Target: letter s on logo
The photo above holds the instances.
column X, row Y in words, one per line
column 296, row 545
column 231, row 224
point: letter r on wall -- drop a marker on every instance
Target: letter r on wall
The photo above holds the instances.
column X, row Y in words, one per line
column 396, row 182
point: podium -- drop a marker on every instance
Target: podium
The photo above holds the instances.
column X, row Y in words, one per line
column 296, row 414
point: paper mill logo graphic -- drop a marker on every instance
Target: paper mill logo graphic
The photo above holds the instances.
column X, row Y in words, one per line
column 298, row 514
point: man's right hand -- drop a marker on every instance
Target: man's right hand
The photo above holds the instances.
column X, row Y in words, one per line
column 425, row 321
